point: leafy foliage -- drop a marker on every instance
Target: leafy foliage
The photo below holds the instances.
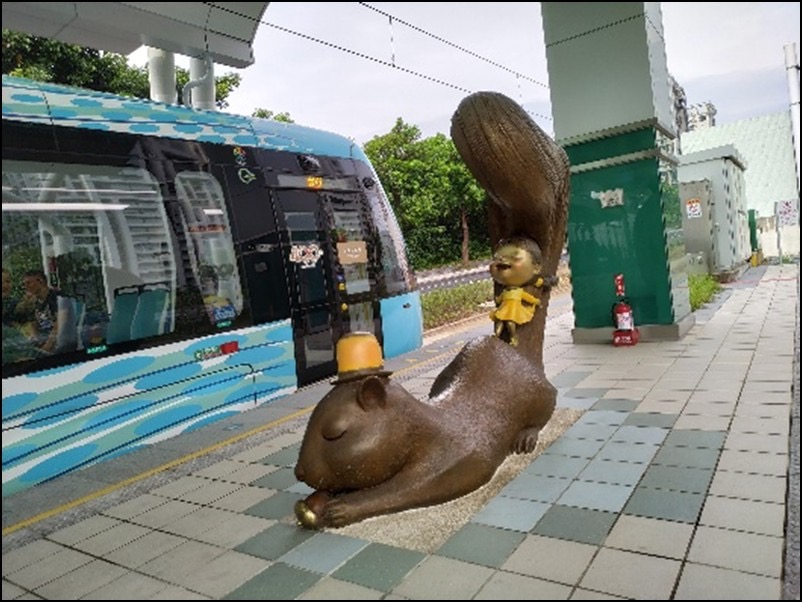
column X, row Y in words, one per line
column 43, row 59
column 268, row 114
column 439, row 205
column 702, row 288
column 443, row 306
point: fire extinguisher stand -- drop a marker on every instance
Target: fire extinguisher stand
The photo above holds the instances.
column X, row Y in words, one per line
column 625, row 332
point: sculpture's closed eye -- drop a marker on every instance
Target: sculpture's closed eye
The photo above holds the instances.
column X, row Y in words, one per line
column 334, row 431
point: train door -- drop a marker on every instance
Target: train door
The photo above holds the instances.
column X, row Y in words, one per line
column 356, row 285
column 308, row 255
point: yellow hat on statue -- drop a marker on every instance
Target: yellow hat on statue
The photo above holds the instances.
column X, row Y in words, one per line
column 359, row 355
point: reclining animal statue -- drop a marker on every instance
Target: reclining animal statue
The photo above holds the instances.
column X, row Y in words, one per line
column 370, row 447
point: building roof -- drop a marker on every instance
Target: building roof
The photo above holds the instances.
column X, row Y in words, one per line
column 222, row 30
column 766, row 145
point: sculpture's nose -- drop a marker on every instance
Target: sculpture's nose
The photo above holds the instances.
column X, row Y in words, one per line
column 299, row 472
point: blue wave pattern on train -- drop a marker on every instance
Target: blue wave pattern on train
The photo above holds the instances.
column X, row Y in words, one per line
column 89, row 408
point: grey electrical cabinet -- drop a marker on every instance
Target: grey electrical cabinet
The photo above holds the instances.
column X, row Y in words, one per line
column 714, row 215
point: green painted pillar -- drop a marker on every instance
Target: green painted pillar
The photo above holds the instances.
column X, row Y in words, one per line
column 612, row 114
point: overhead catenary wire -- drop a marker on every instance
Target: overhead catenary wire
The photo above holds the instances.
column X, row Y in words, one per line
column 393, row 64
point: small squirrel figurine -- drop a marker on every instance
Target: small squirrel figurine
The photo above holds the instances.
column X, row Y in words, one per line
column 516, row 264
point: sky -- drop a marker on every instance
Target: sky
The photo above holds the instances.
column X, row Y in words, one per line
column 354, row 70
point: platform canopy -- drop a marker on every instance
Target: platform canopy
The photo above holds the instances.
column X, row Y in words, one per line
column 222, row 30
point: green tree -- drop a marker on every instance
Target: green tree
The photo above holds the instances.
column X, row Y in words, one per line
column 268, row 114
column 436, row 199
column 47, row 60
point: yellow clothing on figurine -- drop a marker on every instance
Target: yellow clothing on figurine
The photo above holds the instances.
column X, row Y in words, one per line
column 515, row 264
column 515, row 305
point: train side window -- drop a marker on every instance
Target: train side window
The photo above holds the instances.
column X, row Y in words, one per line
column 210, row 245
column 92, row 231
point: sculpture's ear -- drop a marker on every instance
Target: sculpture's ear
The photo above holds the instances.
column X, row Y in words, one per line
column 372, row 393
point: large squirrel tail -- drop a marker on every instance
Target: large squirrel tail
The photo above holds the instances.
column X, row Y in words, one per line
column 526, row 175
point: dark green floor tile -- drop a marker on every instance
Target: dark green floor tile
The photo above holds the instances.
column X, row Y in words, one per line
column 698, row 439
column 556, row 466
column 651, row 419
column 275, row 541
column 576, row 524
column 287, row 456
column 379, row 566
column 689, row 457
column 677, row 478
column 664, row 504
column 584, row 393
column 276, row 582
column 569, row 378
column 277, row 506
column 617, row 405
column 480, row 544
column 283, row 478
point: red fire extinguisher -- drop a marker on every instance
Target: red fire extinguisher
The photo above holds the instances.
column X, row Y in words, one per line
column 622, row 315
column 625, row 332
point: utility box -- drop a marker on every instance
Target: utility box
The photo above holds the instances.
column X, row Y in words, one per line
column 714, row 215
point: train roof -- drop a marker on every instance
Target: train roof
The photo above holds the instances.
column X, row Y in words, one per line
column 40, row 102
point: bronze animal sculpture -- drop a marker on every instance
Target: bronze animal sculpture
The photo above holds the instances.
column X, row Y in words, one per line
column 371, row 448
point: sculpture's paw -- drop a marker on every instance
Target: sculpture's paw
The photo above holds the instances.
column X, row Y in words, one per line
column 339, row 513
column 526, row 442
column 309, row 512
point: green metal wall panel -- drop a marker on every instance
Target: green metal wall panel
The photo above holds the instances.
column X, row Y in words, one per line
column 626, row 239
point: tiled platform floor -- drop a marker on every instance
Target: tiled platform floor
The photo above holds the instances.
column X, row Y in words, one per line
column 671, row 485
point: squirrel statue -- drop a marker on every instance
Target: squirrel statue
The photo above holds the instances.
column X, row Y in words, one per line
column 370, row 447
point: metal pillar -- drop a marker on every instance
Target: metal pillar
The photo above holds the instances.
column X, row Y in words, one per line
column 613, row 115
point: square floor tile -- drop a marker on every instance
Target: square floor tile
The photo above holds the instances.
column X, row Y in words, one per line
column 748, row 462
column 650, row 536
column 698, row 439
column 749, row 552
column 775, row 444
column 480, row 544
column 653, row 419
column 509, row 586
column 575, row 524
column 439, row 578
column 286, row 457
column 574, row 448
column 283, row 478
column 533, row 487
column 275, row 541
column 593, row 432
column 665, row 504
column 678, row 478
column 276, row 582
column 511, row 513
column 651, row 435
column 323, row 552
column 569, row 378
column 762, row 488
column 603, row 417
column 379, row 566
column 552, row 559
column 744, row 515
column 596, row 496
column 335, row 589
column 617, row 405
column 699, row 582
column 632, row 575
column 688, row 457
column 278, row 506
column 556, row 466
column 586, row 392
column 611, row 472
column 641, row 453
